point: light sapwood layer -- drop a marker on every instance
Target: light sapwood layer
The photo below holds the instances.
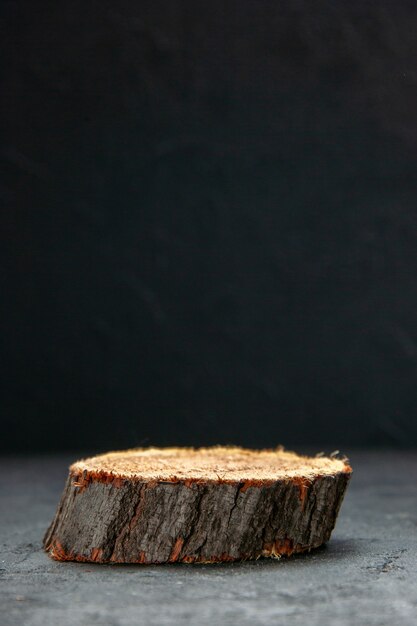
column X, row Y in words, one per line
column 196, row 505
column 229, row 463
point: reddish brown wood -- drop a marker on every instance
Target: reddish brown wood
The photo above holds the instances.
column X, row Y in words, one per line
column 104, row 517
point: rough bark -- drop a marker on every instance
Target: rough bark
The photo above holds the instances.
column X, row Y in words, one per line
column 111, row 519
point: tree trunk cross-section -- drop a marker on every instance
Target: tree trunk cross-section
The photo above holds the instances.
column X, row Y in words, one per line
column 196, row 505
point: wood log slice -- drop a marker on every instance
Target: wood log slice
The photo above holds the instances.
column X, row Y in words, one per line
column 163, row 505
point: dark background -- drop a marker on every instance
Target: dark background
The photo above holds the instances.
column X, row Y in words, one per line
column 209, row 223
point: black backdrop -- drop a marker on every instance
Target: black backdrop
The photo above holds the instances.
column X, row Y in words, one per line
column 209, row 223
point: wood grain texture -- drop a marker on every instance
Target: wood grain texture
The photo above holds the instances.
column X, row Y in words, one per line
column 109, row 518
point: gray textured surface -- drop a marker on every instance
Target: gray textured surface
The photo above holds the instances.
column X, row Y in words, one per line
column 367, row 574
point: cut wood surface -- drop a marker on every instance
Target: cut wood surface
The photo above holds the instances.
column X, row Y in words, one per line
column 162, row 505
